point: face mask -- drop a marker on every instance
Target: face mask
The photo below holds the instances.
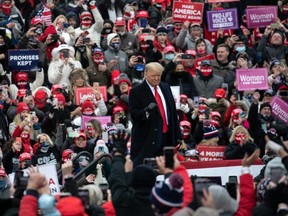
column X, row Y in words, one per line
column 90, row 131
column 142, row 22
column 144, row 46
column 33, row 41
column 235, row 119
column 88, row 112
column 107, row 30
column 265, row 117
column 98, row 60
column 185, row 132
column 206, row 71
column 115, row 45
column 3, row 184
column 202, row 108
column 158, row 6
column 25, row 136
column 239, row 137
column 215, row 123
column 169, row 56
column 86, row 23
column 44, row 146
column 202, row 51
column 22, row 85
column 139, row 67
column 285, row 9
column 121, row 33
column 82, row 48
column 180, row 74
column 6, row 8
column 177, row 29
column 241, row 49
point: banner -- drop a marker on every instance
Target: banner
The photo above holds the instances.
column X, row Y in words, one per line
column 80, row 93
column 199, row 60
column 251, row 79
column 279, row 109
column 191, row 11
column 218, row 1
column 208, row 153
column 50, row 172
column 261, row 16
column 23, row 59
column 225, row 19
column 176, row 94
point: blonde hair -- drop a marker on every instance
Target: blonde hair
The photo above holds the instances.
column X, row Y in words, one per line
column 57, row 18
column 239, row 129
column 153, row 66
column 47, row 137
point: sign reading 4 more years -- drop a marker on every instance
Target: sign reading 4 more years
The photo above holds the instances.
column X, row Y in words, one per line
column 23, row 59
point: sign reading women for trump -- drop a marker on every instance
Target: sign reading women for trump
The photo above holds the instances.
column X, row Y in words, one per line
column 251, row 79
column 261, row 16
column 191, row 11
column 279, row 109
column 225, row 19
column 24, row 59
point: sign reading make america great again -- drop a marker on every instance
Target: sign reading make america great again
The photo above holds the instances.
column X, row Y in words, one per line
column 187, row 11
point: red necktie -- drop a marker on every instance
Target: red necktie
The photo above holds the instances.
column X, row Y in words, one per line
column 161, row 109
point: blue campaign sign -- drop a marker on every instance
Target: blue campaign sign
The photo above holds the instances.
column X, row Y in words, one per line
column 23, row 59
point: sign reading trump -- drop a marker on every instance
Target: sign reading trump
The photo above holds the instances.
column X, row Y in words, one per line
column 24, row 59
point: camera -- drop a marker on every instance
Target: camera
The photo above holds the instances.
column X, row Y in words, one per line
column 169, row 156
column 86, row 40
column 54, row 37
column 20, row 180
column 150, row 162
column 39, row 31
column 186, row 56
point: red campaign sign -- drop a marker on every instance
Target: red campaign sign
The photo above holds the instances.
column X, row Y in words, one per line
column 209, row 153
column 217, row 1
column 88, row 91
column 199, row 60
column 191, row 11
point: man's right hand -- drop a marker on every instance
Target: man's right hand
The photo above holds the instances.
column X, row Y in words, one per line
column 150, row 108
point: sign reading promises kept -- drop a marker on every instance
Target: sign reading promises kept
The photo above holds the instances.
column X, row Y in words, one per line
column 187, row 11
column 261, row 16
column 251, row 79
column 225, row 19
column 23, row 59
column 279, row 109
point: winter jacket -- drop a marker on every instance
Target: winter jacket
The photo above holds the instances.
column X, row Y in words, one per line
column 127, row 200
column 29, row 204
column 103, row 78
column 122, row 64
column 247, row 196
column 207, row 88
column 186, row 42
column 235, row 151
column 94, row 30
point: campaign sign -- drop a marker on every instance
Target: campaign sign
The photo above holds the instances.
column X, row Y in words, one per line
column 103, row 119
column 261, row 16
column 50, row 172
column 218, row 1
column 279, row 109
column 251, row 79
column 81, row 93
column 191, row 11
column 23, row 59
column 225, row 19
column 176, row 94
column 209, row 153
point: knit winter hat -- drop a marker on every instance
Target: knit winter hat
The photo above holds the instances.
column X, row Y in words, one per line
column 22, row 107
column 24, row 156
column 101, row 147
column 168, row 194
column 21, row 76
column 143, row 176
column 161, row 30
column 262, row 188
column 223, row 201
column 124, row 78
column 265, row 105
column 110, row 128
column 220, row 93
column 71, row 206
column 110, row 37
column 87, row 104
column 274, row 163
column 274, row 62
column 210, row 132
column 115, row 76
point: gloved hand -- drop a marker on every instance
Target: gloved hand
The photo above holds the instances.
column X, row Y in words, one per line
column 124, row 98
column 150, row 108
column 120, row 141
column 184, row 108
